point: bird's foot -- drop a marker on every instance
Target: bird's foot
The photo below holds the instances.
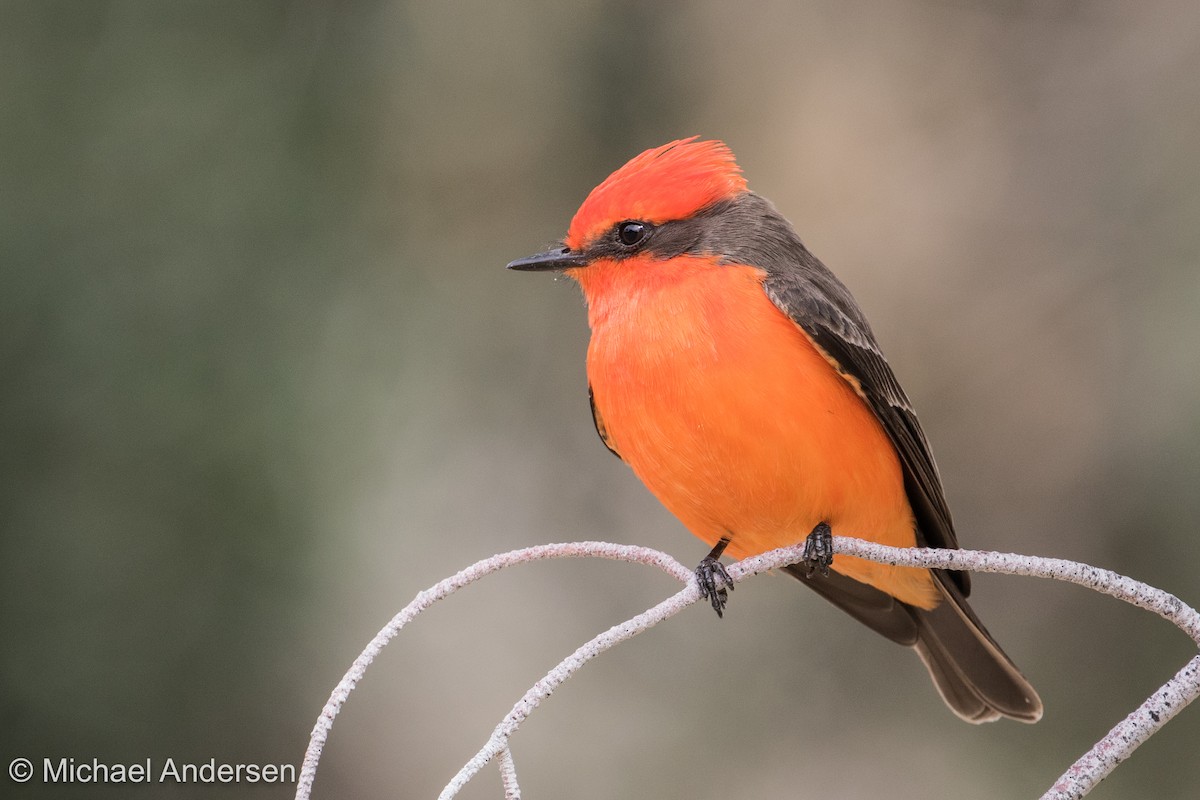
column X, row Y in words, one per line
column 715, row 583
column 818, row 551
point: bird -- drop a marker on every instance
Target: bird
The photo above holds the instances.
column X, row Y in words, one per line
column 740, row 381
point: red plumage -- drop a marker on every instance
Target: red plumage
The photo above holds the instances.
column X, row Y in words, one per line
column 668, row 182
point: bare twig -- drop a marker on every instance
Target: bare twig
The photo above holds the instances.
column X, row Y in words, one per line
column 1120, row 742
column 1089, row 770
column 443, row 589
column 508, row 776
column 565, row 669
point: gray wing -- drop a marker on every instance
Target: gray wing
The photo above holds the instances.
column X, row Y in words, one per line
column 749, row 230
column 822, row 307
column 601, row 429
column 976, row 679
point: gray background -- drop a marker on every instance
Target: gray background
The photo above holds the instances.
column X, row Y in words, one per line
column 265, row 377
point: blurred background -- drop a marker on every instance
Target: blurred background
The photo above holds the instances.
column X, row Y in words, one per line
column 265, row 378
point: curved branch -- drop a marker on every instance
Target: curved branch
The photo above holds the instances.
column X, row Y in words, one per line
column 1125, row 737
column 1089, row 770
column 565, row 669
column 508, row 776
column 1142, row 595
column 443, row 589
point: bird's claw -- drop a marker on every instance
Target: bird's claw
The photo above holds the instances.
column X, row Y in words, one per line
column 715, row 583
column 818, row 551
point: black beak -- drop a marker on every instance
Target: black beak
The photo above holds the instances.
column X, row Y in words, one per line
column 559, row 258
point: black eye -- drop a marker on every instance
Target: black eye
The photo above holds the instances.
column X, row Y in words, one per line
column 631, row 233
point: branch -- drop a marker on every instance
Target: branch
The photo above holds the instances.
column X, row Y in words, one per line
column 1089, row 770
column 565, row 669
column 443, row 589
column 1120, row 742
column 508, row 776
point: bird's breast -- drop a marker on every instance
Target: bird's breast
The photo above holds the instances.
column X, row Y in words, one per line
column 730, row 415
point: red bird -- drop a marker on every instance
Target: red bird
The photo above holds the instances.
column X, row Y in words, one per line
column 741, row 382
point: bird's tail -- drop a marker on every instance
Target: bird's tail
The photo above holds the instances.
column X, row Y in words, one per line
column 974, row 676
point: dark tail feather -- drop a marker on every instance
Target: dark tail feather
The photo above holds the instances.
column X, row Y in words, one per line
column 976, row 679
column 974, row 676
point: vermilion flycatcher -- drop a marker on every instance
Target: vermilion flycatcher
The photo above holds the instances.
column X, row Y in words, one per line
column 739, row 379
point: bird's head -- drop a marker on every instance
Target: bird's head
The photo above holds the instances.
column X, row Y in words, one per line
column 658, row 206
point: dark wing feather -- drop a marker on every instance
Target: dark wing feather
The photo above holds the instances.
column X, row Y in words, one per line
column 817, row 302
column 879, row 387
column 878, row 610
column 974, row 676
column 601, row 428
column 804, row 289
column 748, row 230
column 972, row 673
